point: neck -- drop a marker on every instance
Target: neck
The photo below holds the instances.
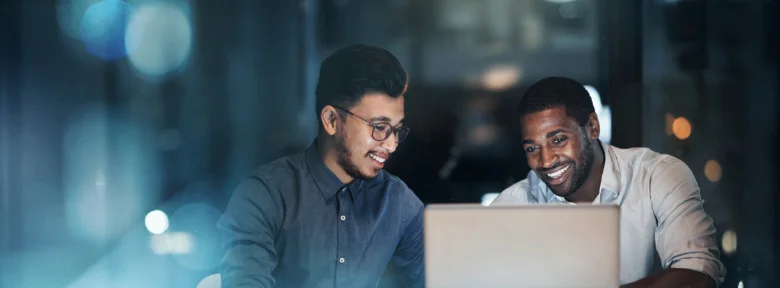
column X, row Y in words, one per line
column 590, row 188
column 329, row 155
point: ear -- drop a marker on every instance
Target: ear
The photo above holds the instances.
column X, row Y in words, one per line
column 593, row 128
column 329, row 119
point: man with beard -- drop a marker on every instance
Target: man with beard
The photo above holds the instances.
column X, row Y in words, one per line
column 660, row 204
column 330, row 216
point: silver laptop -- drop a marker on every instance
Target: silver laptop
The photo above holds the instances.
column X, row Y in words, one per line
column 521, row 246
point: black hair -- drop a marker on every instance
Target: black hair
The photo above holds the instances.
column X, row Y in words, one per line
column 351, row 72
column 553, row 92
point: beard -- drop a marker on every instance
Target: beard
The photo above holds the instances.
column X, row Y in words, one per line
column 344, row 157
column 580, row 171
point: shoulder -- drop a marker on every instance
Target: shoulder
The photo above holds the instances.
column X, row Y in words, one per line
column 399, row 189
column 523, row 192
column 268, row 180
column 644, row 158
column 281, row 168
column 655, row 170
column 258, row 195
column 515, row 194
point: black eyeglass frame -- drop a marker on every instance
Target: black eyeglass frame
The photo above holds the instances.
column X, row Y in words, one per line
column 400, row 133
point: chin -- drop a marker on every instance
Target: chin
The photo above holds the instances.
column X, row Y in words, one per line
column 561, row 192
column 371, row 174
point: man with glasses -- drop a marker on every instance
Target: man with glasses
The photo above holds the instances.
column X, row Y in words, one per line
column 330, row 216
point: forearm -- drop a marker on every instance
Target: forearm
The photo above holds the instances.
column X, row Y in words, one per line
column 248, row 230
column 248, row 264
column 674, row 277
column 413, row 275
column 410, row 256
column 241, row 279
column 686, row 239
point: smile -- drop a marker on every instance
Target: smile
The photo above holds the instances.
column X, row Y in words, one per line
column 559, row 173
column 377, row 158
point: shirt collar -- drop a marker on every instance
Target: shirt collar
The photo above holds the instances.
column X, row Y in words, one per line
column 327, row 182
column 610, row 180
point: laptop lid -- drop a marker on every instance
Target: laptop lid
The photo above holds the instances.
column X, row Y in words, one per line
column 522, row 245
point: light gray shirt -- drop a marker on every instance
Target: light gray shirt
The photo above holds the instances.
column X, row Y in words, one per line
column 660, row 211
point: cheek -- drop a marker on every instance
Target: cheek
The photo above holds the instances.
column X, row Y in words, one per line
column 571, row 154
column 571, row 150
column 530, row 160
column 358, row 140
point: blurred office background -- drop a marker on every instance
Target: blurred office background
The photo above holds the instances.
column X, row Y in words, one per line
column 127, row 124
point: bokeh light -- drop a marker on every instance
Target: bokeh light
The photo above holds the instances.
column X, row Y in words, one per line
column 103, row 29
column 156, row 222
column 681, row 128
column 603, row 112
column 172, row 243
column 501, row 77
column 200, row 221
column 211, row 281
column 163, row 37
column 712, row 170
column 729, row 242
column 595, row 97
column 488, row 198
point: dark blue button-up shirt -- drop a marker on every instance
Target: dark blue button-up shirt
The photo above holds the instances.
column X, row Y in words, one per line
column 292, row 223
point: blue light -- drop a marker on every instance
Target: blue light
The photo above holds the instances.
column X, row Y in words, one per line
column 103, row 29
column 161, row 36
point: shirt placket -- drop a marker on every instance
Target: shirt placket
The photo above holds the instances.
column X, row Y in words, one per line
column 343, row 261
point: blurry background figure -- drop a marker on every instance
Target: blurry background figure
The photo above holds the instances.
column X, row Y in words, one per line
column 478, row 160
column 113, row 109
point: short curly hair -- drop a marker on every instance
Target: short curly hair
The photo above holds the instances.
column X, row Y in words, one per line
column 351, row 72
column 553, row 92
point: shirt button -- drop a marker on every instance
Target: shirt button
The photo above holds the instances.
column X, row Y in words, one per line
column 341, row 260
column 343, row 217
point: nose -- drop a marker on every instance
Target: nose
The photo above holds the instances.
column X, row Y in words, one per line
column 547, row 158
column 391, row 143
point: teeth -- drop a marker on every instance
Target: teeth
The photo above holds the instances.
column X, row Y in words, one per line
column 558, row 173
column 377, row 158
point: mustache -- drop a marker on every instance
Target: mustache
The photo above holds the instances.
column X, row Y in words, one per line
column 555, row 166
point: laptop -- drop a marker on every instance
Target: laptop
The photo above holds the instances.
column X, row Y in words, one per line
column 522, row 245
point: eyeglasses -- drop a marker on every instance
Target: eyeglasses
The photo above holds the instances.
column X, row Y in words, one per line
column 382, row 130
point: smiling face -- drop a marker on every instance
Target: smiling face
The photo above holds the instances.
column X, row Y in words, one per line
column 359, row 154
column 558, row 150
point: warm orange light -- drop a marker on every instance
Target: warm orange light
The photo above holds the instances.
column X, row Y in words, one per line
column 499, row 78
column 713, row 171
column 681, row 128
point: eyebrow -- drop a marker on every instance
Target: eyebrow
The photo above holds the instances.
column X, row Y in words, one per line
column 556, row 132
column 385, row 119
column 550, row 134
column 380, row 119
